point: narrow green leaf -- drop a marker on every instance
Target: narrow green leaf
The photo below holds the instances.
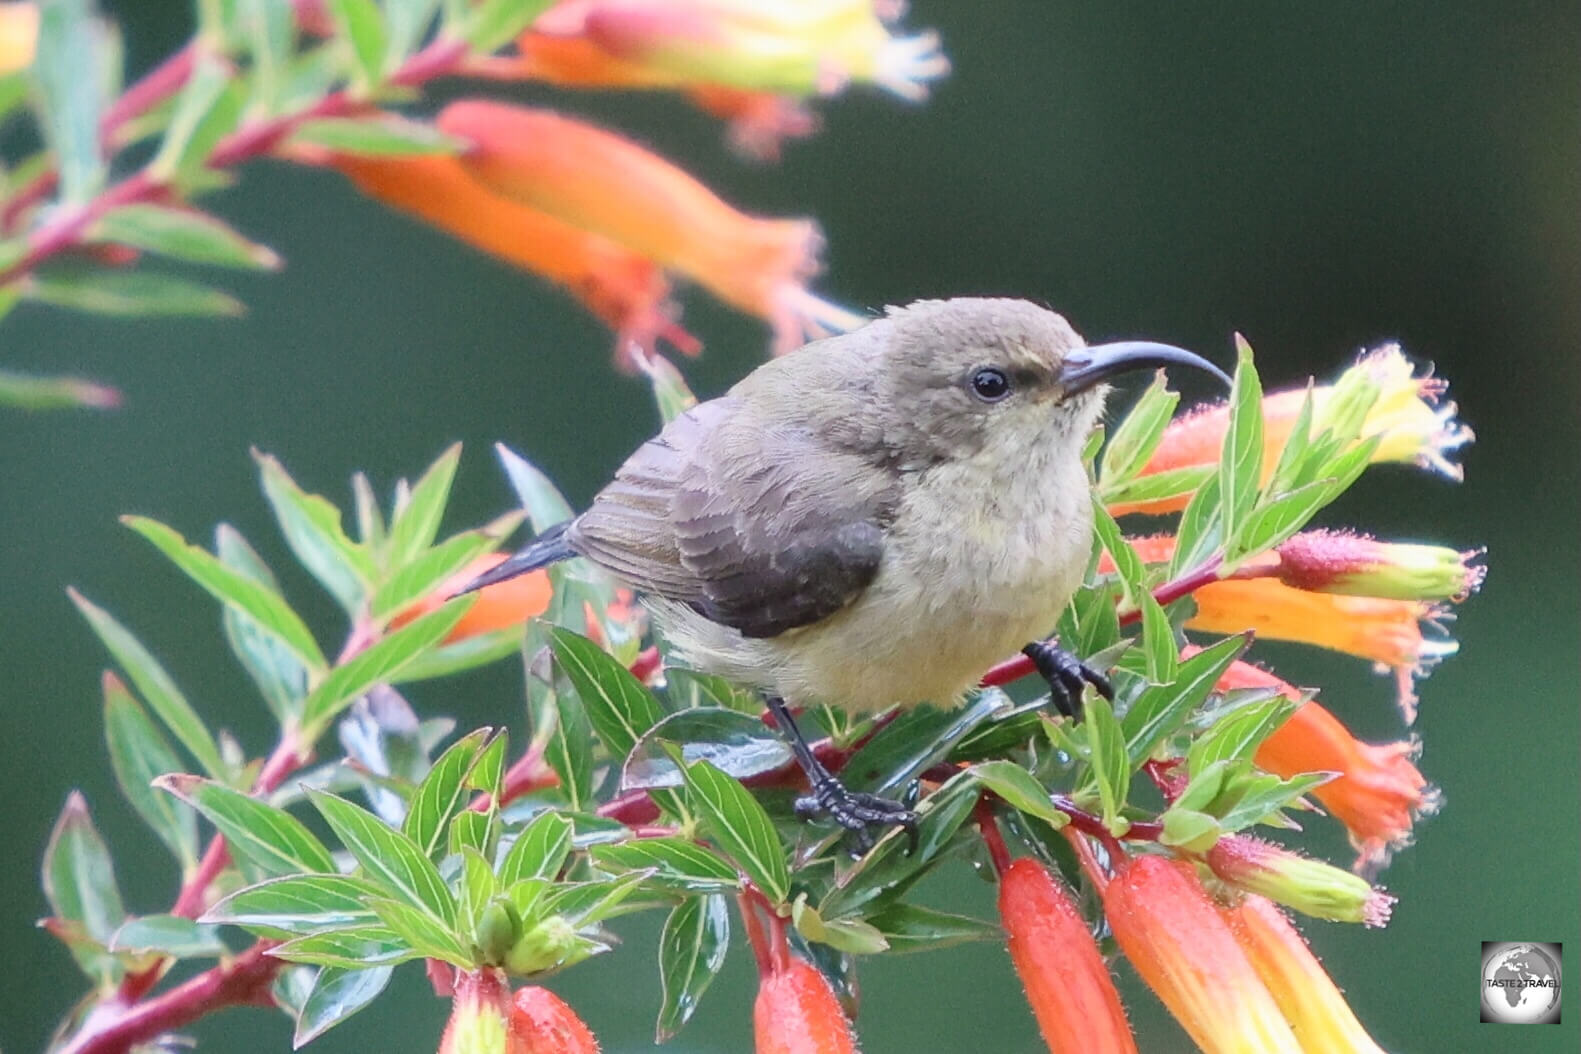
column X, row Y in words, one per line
column 1159, row 649
column 678, row 863
column 417, row 523
column 737, row 744
column 466, row 654
column 913, row 928
column 69, row 77
column 852, row 936
column 916, row 741
column 422, row 931
column 560, row 723
column 586, row 903
column 27, row 391
column 1293, row 455
column 336, row 995
column 442, row 794
column 379, row 663
column 389, row 857
column 254, row 599
column 79, row 877
column 619, row 707
column 1111, row 765
column 136, row 294
column 280, row 676
column 740, row 827
column 493, row 23
column 691, row 953
column 139, row 754
column 154, row 684
column 297, row 904
column 1139, row 433
column 422, row 575
column 406, row 24
column 1157, row 486
column 361, row 23
column 545, row 505
column 488, row 774
column 539, row 851
column 359, row 949
column 172, row 935
column 208, row 109
column 311, row 526
column 1132, row 573
column 1237, row 735
column 383, row 136
column 1161, row 709
column 1200, row 532
column 271, row 839
column 685, row 689
column 1018, row 788
column 183, row 234
column 1241, row 461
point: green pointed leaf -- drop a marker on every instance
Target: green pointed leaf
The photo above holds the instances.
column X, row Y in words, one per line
column 297, row 904
column 1161, row 709
column 488, row 775
column 540, row 850
column 1158, row 486
column 388, row 857
column 737, row 744
column 27, row 391
column 279, row 674
column 359, row 949
column 1189, row 829
column 913, row 928
column 466, row 654
column 406, row 23
column 691, row 954
column 852, row 936
column 1236, row 736
column 474, row 830
column 182, row 234
column 252, row 598
column 1159, row 650
column 560, row 723
column 172, row 935
column 134, row 294
column 384, row 136
column 686, row 689
column 491, row 24
column 208, row 109
column 584, row 904
column 422, row 931
column 916, row 741
column 427, row 572
column 361, row 23
column 311, row 526
column 139, row 754
column 442, row 794
column 378, row 664
column 336, row 995
column 79, row 883
column 620, row 708
column 1288, row 470
column 155, row 685
column 67, row 71
column 1132, row 573
column 1111, row 765
column 740, row 827
column 1259, row 796
column 1200, row 533
column 1241, row 462
column 271, row 839
column 677, row 863
column 417, row 523
column 1019, row 789
column 1139, row 433
column 544, row 504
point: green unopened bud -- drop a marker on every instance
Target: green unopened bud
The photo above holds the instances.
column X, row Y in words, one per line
column 499, row 928
column 1309, row 886
column 546, row 945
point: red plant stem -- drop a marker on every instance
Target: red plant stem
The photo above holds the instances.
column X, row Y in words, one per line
column 1084, row 855
column 155, row 86
column 998, row 852
column 243, row 981
column 1087, row 823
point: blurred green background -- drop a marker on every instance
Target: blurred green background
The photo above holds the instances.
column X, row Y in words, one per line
column 1319, row 177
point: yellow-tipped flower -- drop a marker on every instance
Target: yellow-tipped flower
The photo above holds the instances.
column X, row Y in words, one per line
column 1341, row 562
column 1067, row 982
column 796, row 47
column 1408, row 413
column 18, row 36
column 1173, row 935
column 479, row 1015
column 1311, row 887
column 1318, row 1014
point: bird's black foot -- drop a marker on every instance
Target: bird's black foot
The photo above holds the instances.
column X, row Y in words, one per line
column 1067, row 677
column 857, row 812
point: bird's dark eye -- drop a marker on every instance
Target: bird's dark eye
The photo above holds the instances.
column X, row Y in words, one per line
column 990, row 384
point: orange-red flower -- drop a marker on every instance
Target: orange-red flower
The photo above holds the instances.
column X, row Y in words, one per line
column 798, row 47
column 499, row 606
column 542, row 1023
column 796, row 1012
column 625, row 289
column 1318, row 1014
column 479, row 1015
column 759, row 121
column 18, row 36
column 1173, row 935
column 1379, row 792
column 1406, row 412
column 1066, row 978
column 598, row 181
column 1310, row 886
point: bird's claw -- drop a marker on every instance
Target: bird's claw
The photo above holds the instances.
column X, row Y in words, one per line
column 857, row 812
column 1067, row 677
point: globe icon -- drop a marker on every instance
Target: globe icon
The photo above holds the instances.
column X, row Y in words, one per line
column 1520, row 984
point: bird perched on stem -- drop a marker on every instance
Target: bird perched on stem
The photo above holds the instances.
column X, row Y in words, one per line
column 872, row 520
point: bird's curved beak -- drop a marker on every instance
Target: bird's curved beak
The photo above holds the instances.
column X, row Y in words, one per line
column 1087, row 367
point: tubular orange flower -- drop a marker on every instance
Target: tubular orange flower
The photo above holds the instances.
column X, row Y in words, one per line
column 796, row 1012
column 1312, row 887
column 601, row 182
column 1066, row 979
column 1173, row 935
column 479, row 1015
column 624, row 289
column 1317, row 1012
column 1343, row 562
column 798, row 47
column 542, row 1023
column 1408, row 412
column 18, row 36
column 1378, row 793
column 759, row 121
column 499, row 606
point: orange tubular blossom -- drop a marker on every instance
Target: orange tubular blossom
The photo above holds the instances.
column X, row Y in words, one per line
column 796, row 1012
column 1066, row 979
column 499, row 606
column 542, row 1023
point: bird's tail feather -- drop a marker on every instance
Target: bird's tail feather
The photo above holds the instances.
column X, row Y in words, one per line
column 549, row 547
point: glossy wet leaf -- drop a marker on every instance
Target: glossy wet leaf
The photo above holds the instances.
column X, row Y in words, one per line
column 442, row 793
column 691, row 953
column 296, row 904
column 139, row 754
column 270, row 839
column 367, row 946
column 336, row 995
column 916, row 740
column 1160, row 710
column 913, row 928
column 79, row 884
column 172, row 935
column 740, row 827
column 388, row 858
column 424, row 933
column 1018, row 788
column 379, row 663
column 539, row 851
column 736, row 744
column 678, row 863
column 620, row 708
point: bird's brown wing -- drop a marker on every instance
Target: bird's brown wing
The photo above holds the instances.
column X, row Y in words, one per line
column 761, row 530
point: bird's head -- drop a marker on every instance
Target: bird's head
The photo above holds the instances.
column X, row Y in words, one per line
column 974, row 376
